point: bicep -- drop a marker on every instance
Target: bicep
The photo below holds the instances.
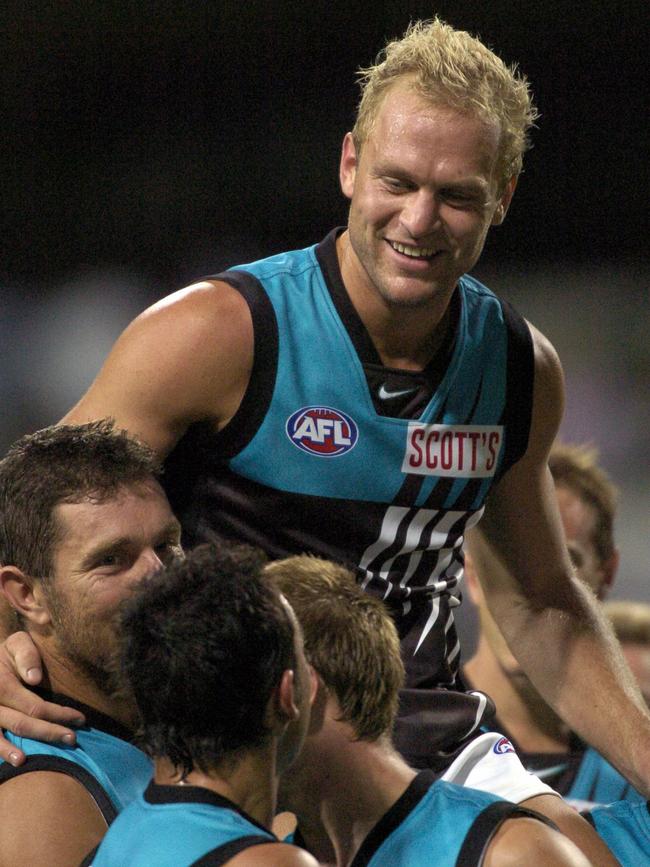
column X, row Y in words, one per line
column 48, row 819
column 186, row 359
column 529, row 841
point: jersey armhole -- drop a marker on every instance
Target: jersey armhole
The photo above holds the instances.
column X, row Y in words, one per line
column 71, row 769
column 520, row 376
column 485, row 826
column 88, row 860
column 243, row 426
column 223, row 854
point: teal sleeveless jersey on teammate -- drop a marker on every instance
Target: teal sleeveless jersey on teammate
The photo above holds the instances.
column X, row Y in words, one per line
column 435, row 824
column 177, row 826
column 104, row 761
column 333, row 454
column 625, row 827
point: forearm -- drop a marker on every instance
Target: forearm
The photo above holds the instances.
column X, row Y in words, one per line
column 572, row 657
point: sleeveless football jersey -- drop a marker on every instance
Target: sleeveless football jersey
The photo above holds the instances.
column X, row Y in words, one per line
column 104, row 761
column 175, row 826
column 625, row 827
column 435, row 824
column 308, row 464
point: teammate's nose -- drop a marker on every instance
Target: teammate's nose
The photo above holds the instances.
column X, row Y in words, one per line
column 150, row 563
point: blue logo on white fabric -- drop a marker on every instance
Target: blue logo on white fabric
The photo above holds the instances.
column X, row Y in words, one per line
column 502, row 746
column 322, row 431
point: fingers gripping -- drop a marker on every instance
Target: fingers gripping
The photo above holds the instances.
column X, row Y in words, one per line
column 22, row 712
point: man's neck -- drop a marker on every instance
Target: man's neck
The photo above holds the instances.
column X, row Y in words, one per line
column 62, row 676
column 529, row 720
column 361, row 783
column 249, row 781
column 405, row 338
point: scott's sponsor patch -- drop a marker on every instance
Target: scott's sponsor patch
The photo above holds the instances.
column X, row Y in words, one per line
column 465, row 451
column 322, row 431
column 502, row 746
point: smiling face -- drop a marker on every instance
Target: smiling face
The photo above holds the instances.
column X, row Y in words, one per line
column 424, row 194
column 105, row 548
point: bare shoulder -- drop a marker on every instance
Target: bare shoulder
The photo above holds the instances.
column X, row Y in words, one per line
column 187, row 358
column 522, row 842
column 549, row 377
column 273, row 855
column 49, row 819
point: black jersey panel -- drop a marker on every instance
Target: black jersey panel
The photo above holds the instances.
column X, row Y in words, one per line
column 520, row 376
column 394, row 817
column 243, row 426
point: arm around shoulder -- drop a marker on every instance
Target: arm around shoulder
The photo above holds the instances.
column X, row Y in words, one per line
column 185, row 359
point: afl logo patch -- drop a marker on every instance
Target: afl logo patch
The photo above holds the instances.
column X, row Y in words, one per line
column 322, row 431
column 503, row 745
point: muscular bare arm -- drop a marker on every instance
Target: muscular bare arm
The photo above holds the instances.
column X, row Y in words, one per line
column 523, row 842
column 186, row 359
column 48, row 820
column 550, row 620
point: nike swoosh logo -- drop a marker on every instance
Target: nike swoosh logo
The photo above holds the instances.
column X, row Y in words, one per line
column 384, row 394
column 544, row 773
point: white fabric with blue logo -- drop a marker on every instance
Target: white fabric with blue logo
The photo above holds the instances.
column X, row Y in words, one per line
column 491, row 764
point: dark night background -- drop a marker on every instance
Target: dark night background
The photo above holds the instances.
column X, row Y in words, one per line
column 147, row 144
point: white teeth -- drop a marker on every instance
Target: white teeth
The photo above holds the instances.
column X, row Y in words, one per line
column 414, row 252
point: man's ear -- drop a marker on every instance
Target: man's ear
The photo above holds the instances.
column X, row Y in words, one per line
column 24, row 595
column 348, row 165
column 471, row 575
column 471, row 580
column 609, row 569
column 504, row 202
column 286, row 705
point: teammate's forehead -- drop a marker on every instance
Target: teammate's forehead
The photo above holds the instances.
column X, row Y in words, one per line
column 133, row 512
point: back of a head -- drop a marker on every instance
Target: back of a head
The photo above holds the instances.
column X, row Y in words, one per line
column 61, row 464
column 451, row 68
column 205, row 643
column 349, row 638
column 576, row 468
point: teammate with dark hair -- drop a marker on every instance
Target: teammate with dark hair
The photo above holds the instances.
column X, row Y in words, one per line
column 215, row 660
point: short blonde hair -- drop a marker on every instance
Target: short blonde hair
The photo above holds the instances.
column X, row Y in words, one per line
column 576, row 467
column 452, row 68
column 350, row 639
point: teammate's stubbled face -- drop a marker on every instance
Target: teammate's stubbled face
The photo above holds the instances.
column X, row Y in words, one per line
column 424, row 194
column 106, row 547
